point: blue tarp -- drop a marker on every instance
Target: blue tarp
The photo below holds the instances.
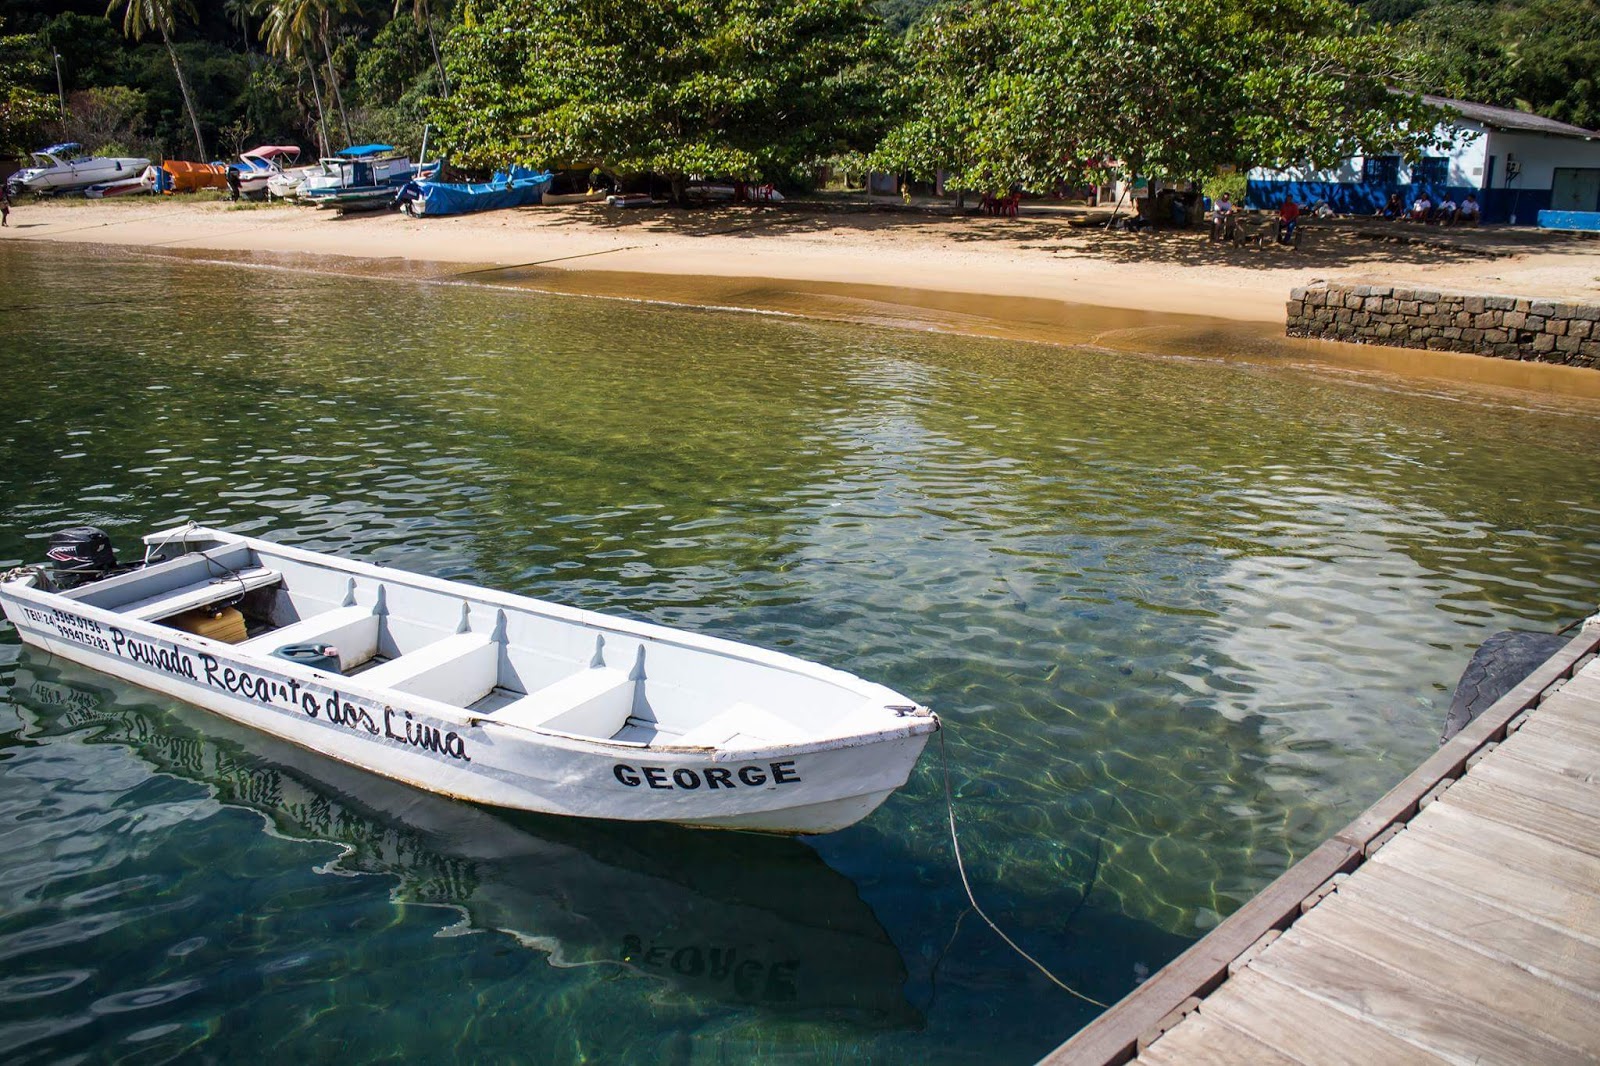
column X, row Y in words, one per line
column 65, row 146
column 358, row 151
column 517, row 187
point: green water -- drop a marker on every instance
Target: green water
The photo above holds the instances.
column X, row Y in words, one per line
column 1183, row 617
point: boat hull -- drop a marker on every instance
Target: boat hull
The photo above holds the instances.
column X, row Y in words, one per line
column 807, row 788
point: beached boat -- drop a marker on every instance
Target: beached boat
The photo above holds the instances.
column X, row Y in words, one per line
column 482, row 695
column 257, row 167
column 285, row 184
column 64, row 168
column 180, row 175
column 365, row 173
column 140, row 183
column 517, row 187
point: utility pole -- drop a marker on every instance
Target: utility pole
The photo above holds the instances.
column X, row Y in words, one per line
column 61, row 91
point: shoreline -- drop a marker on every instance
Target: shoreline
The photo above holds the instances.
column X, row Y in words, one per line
column 1038, row 279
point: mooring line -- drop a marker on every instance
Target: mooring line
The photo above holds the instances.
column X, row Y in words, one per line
column 950, row 809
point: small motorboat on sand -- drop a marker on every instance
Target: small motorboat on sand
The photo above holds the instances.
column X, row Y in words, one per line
column 366, row 175
column 259, row 165
column 516, row 187
column 486, row 696
column 64, row 168
column 180, row 175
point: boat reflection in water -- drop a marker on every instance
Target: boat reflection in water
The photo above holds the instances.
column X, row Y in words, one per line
column 732, row 917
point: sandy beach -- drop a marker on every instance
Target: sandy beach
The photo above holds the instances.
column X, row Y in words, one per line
column 1049, row 275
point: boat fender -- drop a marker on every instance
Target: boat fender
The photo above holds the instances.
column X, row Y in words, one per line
column 316, row 656
column 1497, row 667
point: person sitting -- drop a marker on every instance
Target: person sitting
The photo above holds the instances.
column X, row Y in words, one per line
column 1447, row 211
column 1469, row 211
column 1288, row 220
column 1422, row 209
column 1224, row 221
column 1395, row 208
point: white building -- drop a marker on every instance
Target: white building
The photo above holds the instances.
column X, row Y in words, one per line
column 1515, row 163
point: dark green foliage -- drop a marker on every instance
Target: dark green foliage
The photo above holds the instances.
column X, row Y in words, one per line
column 751, row 89
column 900, row 15
column 1541, row 56
column 1041, row 91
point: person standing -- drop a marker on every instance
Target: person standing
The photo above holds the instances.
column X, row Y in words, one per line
column 233, row 183
column 5, row 205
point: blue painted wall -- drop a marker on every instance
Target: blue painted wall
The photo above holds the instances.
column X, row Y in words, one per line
column 1353, row 198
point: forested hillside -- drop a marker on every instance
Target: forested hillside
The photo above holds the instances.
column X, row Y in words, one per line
column 1036, row 91
column 1534, row 55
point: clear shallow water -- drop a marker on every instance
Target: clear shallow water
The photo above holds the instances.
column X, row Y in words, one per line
column 1184, row 618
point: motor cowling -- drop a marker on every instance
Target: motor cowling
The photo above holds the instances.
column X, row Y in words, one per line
column 80, row 555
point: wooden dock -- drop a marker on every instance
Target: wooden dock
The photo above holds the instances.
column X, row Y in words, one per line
column 1457, row 920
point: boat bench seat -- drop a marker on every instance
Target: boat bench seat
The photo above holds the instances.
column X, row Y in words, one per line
column 593, row 703
column 353, row 630
column 199, row 594
column 744, row 725
column 458, row 670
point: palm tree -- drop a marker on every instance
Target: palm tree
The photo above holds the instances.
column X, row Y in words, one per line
column 140, row 16
column 308, row 21
column 423, row 17
column 326, row 10
column 238, row 13
column 288, row 29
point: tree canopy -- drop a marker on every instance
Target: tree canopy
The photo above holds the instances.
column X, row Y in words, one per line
column 750, row 89
column 1041, row 91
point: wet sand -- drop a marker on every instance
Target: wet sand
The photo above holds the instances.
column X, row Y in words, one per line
column 1046, row 278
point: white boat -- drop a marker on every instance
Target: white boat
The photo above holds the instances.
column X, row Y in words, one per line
column 742, row 919
column 364, row 172
column 64, row 168
column 136, row 184
column 285, row 185
column 258, row 166
column 482, row 695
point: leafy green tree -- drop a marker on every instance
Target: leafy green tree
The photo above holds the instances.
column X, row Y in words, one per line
column 141, row 16
column 23, row 111
column 1541, row 56
column 747, row 89
column 1042, row 91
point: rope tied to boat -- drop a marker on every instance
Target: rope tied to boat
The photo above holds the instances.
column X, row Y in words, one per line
column 961, row 868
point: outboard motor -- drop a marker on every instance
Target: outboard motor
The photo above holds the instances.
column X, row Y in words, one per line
column 80, row 555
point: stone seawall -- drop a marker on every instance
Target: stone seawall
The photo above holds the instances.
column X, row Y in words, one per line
column 1507, row 327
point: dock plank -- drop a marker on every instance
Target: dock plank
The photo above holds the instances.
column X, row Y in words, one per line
column 1402, row 1004
column 1527, row 813
column 1555, row 747
column 1493, row 985
column 1200, row 1041
column 1519, row 889
column 1563, row 790
column 1586, row 683
column 1567, row 719
column 1502, row 846
column 1493, row 927
column 1305, row 1029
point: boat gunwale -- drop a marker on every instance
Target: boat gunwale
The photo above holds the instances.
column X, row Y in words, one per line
column 916, row 720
